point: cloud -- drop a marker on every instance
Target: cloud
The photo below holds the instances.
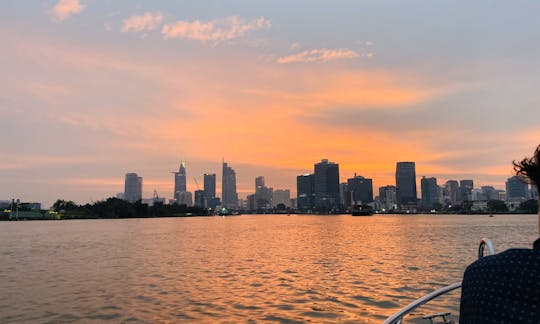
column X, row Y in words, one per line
column 214, row 30
column 148, row 21
column 65, row 8
column 319, row 56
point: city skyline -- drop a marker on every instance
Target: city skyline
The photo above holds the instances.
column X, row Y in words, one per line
column 92, row 90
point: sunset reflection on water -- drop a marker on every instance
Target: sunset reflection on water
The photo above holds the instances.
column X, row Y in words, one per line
column 287, row 269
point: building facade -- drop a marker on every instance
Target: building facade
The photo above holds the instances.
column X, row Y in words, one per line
column 305, row 195
column 229, row 197
column 360, row 190
column 133, row 187
column 406, row 184
column 387, row 198
column 430, row 192
column 516, row 189
column 326, row 185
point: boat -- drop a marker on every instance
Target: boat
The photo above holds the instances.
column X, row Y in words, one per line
column 361, row 210
column 223, row 212
column 397, row 318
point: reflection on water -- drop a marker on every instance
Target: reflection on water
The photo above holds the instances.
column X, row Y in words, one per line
column 240, row 269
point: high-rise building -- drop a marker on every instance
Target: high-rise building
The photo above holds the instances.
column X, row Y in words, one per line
column 451, row 192
column 229, row 197
column 406, row 184
column 200, row 200
column 133, row 187
column 210, row 190
column 360, row 190
column 465, row 189
column 326, row 184
column 210, row 185
column 184, row 198
column 180, row 185
column 344, row 194
column 489, row 193
column 430, row 192
column 305, row 195
column 263, row 194
column 180, row 178
column 516, row 189
column 281, row 197
column 259, row 182
column 387, row 197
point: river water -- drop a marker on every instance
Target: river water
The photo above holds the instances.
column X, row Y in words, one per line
column 253, row 268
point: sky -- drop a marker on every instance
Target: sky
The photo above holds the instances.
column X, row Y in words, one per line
column 91, row 90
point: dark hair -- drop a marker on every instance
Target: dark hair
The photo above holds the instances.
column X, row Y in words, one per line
column 530, row 167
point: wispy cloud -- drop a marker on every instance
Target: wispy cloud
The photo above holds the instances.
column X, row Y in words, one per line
column 216, row 30
column 319, row 56
column 147, row 21
column 65, row 8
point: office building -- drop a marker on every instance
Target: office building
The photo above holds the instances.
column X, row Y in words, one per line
column 406, row 184
column 228, row 187
column 200, row 200
column 263, row 194
column 281, row 197
column 326, row 185
column 184, row 198
column 430, row 192
column 465, row 190
column 360, row 190
column 516, row 189
column 133, row 187
column 305, row 195
column 210, row 185
column 387, row 198
column 451, row 192
column 180, row 186
column 489, row 193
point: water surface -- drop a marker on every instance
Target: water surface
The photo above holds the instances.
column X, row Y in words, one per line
column 254, row 268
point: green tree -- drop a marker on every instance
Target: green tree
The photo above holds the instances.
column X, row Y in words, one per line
column 529, row 206
column 497, row 206
column 61, row 205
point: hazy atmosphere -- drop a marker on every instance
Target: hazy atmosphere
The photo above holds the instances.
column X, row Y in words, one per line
column 91, row 90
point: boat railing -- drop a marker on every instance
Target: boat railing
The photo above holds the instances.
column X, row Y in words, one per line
column 397, row 318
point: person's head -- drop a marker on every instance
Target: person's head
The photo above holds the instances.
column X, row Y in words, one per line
column 530, row 168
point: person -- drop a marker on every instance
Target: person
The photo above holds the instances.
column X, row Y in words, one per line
column 505, row 287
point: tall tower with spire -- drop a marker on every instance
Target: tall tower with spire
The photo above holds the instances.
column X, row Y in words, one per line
column 181, row 196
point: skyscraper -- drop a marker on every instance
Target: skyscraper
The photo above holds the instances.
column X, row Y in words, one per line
column 200, row 200
column 210, row 185
column 180, row 178
column 516, row 189
column 305, row 196
column 133, row 187
column 406, row 184
column 451, row 192
column 326, row 184
column 465, row 189
column 360, row 190
column 430, row 192
column 228, row 187
column 263, row 194
column 180, row 190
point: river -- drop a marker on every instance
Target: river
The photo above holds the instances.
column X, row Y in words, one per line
column 252, row 268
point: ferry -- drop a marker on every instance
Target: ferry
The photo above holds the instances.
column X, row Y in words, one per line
column 361, row 210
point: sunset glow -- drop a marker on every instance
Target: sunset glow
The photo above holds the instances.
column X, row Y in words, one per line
column 90, row 91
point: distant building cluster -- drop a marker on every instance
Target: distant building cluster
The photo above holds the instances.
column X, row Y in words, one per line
column 321, row 191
